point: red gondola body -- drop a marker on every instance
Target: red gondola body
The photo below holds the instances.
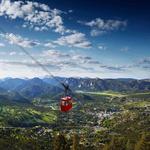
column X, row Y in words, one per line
column 66, row 104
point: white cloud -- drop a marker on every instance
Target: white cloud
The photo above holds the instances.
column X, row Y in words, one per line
column 70, row 11
column 2, row 45
column 35, row 15
column 18, row 40
column 12, row 53
column 106, row 24
column 95, row 32
column 145, row 60
column 7, row 53
column 30, row 64
column 76, row 61
column 50, row 45
column 58, row 61
column 55, row 60
column 102, row 47
column 100, row 26
column 74, row 40
column 81, row 59
column 77, row 65
column 54, row 54
column 144, row 63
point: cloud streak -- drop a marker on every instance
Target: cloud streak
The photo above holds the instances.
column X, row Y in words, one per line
column 2, row 45
column 74, row 40
column 18, row 40
column 144, row 63
column 58, row 60
column 100, row 26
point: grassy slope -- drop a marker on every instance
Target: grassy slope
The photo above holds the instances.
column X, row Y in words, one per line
column 118, row 94
column 25, row 116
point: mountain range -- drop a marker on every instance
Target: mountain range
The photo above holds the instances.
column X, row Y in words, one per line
column 22, row 89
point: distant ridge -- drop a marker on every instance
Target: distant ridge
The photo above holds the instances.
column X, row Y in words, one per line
column 36, row 86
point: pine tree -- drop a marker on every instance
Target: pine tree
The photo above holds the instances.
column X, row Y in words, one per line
column 141, row 144
column 76, row 140
column 129, row 145
column 60, row 142
column 106, row 147
column 116, row 143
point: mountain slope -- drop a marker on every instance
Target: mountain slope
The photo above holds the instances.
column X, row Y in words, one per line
column 36, row 87
column 96, row 84
column 11, row 83
column 12, row 97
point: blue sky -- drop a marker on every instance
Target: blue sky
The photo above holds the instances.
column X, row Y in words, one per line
column 105, row 39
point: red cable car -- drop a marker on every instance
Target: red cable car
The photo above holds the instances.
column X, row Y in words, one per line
column 66, row 103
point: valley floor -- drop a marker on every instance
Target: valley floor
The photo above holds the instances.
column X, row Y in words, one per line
column 102, row 121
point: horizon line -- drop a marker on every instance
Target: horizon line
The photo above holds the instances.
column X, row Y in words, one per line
column 42, row 77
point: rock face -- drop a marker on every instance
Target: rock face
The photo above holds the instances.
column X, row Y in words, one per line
column 97, row 84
